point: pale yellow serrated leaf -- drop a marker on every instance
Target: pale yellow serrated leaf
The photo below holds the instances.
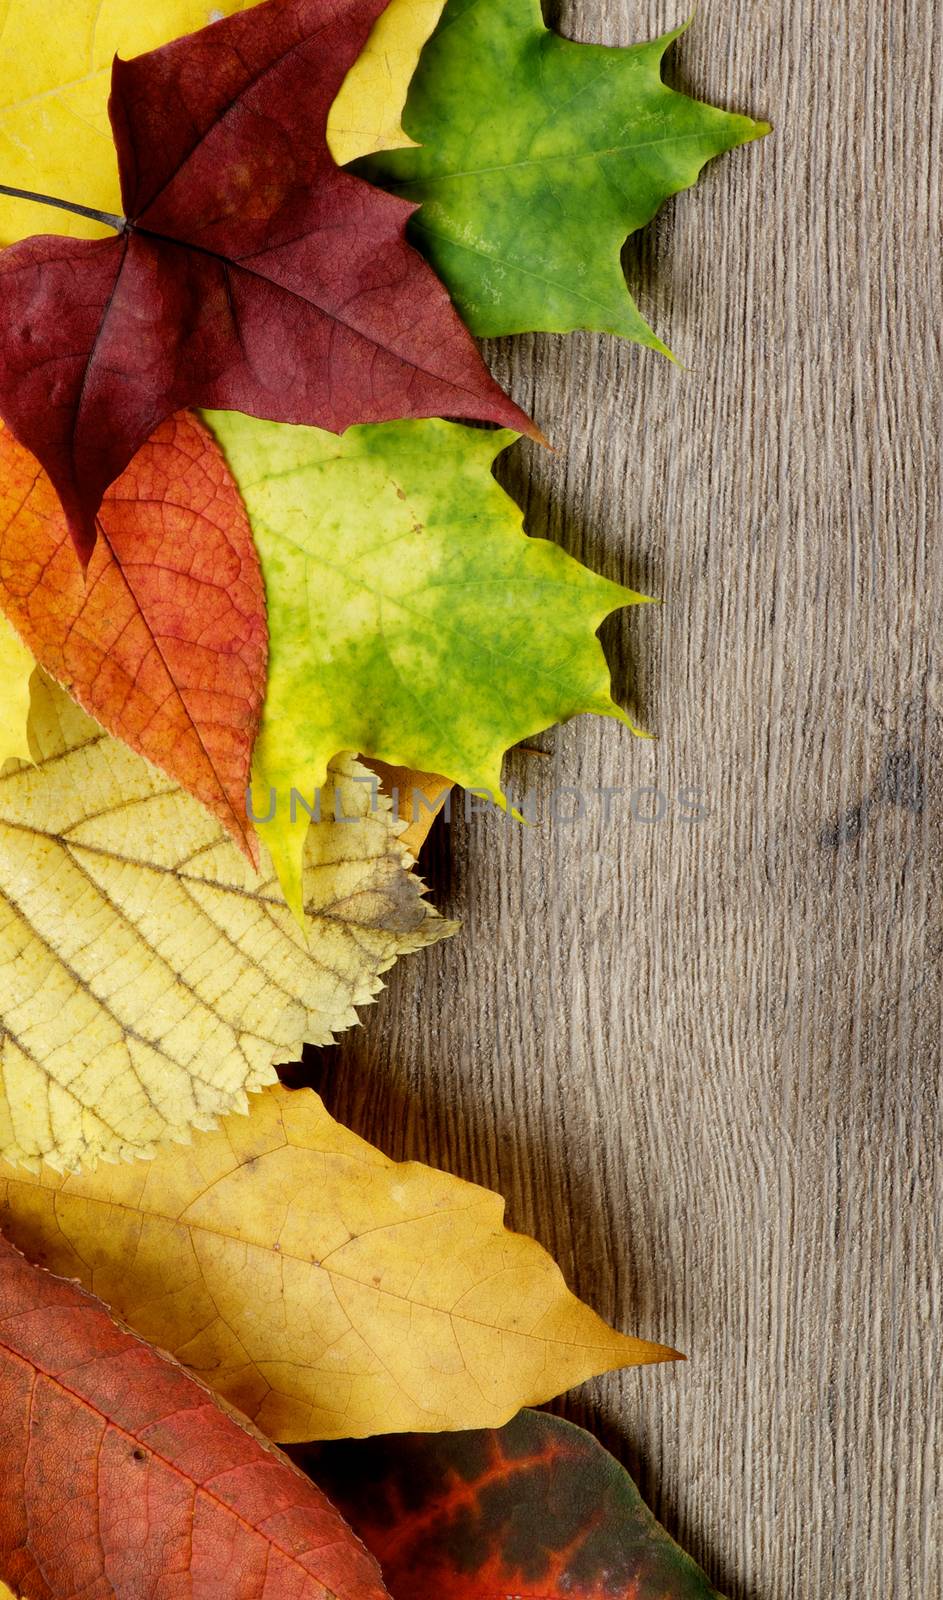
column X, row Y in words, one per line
column 55, row 77
column 148, row 979
column 366, row 116
column 322, row 1288
column 16, row 669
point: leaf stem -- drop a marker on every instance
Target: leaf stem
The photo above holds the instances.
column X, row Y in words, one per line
column 106, row 217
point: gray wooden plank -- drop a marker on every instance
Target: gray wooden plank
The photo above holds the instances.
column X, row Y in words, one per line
column 702, row 1059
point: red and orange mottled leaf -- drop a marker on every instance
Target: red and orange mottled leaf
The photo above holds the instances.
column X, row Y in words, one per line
column 164, row 641
column 249, row 273
column 536, row 1510
column 123, row 1477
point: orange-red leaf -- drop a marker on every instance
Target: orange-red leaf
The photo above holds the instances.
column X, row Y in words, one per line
column 164, row 641
column 123, row 1477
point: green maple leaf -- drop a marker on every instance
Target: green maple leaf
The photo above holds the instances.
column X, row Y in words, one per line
column 410, row 616
column 538, row 158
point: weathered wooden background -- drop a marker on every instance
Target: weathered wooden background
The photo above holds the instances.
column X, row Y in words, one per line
column 702, row 1058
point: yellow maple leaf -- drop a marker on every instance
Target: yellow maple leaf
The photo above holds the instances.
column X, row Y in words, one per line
column 55, row 77
column 16, row 669
column 366, row 116
column 322, row 1288
column 148, row 979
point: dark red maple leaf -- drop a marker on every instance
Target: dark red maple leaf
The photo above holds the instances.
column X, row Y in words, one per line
column 251, row 273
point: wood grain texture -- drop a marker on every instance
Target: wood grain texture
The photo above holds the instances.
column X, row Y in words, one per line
column 702, row 1059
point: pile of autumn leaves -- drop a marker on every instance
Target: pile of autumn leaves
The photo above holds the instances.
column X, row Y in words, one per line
column 200, row 604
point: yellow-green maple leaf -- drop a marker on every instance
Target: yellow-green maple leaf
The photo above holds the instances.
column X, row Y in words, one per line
column 55, row 78
column 148, row 980
column 323, row 1289
column 16, row 669
column 367, row 115
column 411, row 618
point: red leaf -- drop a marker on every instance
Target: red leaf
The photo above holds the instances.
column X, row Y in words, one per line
column 537, row 1510
column 253, row 275
column 123, row 1477
column 164, row 641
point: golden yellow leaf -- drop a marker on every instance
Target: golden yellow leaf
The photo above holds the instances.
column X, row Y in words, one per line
column 55, row 77
column 419, row 797
column 366, row 116
column 323, row 1289
column 16, row 669
column 148, row 979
